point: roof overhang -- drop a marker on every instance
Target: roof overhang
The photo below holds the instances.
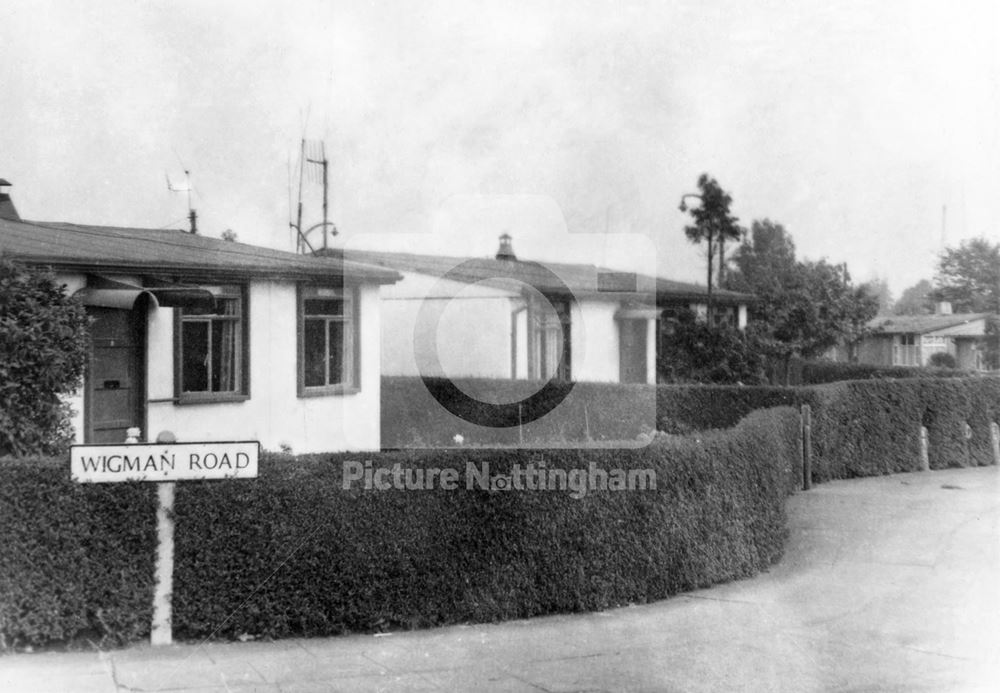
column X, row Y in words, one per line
column 637, row 312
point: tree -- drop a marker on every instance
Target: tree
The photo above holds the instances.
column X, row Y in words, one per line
column 803, row 307
column 915, row 300
column 229, row 235
column 879, row 288
column 969, row 277
column 713, row 224
column 43, row 352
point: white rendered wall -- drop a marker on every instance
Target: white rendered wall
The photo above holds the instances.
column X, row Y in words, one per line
column 594, row 342
column 275, row 414
column 470, row 325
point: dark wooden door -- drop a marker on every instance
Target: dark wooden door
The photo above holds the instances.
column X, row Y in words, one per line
column 632, row 351
column 114, row 379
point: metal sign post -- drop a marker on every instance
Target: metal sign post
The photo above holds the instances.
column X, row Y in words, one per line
column 164, row 463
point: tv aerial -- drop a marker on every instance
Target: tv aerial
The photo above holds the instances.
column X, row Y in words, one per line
column 313, row 167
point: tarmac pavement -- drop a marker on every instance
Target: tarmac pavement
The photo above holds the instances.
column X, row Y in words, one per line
column 888, row 584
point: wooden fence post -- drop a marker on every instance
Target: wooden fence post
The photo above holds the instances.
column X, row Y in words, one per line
column 806, row 447
column 162, row 631
column 995, row 441
column 925, row 463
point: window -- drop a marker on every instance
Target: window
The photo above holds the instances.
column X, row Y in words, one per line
column 906, row 350
column 210, row 357
column 328, row 342
column 549, row 339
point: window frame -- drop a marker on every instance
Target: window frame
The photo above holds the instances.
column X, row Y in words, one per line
column 238, row 291
column 538, row 322
column 352, row 321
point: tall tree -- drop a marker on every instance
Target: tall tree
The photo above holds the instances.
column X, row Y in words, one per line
column 915, row 300
column 969, row 277
column 803, row 307
column 879, row 288
column 713, row 224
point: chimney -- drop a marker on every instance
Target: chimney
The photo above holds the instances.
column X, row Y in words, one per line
column 7, row 209
column 506, row 252
column 943, row 308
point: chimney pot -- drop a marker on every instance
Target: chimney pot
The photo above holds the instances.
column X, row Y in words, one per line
column 7, row 208
column 506, row 251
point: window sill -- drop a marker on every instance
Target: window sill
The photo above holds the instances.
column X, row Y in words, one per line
column 211, row 398
column 328, row 391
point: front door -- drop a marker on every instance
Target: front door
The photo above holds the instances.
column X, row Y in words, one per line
column 632, row 350
column 114, row 384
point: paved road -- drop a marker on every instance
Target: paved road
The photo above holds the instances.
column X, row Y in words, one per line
column 890, row 583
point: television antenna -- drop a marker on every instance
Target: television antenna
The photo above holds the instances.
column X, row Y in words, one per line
column 185, row 187
column 313, row 167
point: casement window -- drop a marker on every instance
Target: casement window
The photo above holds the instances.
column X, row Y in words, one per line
column 549, row 339
column 328, row 340
column 210, row 354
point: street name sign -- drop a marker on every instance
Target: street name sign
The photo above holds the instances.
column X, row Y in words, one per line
column 101, row 464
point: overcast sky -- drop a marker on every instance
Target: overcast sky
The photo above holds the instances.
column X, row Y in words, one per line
column 572, row 125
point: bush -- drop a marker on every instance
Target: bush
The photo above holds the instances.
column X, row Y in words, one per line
column 693, row 351
column 412, row 417
column 43, row 351
column 291, row 553
column 77, row 560
column 942, row 359
column 819, row 372
column 864, row 428
column 701, row 407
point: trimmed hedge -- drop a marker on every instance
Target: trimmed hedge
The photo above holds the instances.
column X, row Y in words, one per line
column 413, row 418
column 865, row 428
column 860, row 427
column 291, row 553
column 77, row 561
column 819, row 372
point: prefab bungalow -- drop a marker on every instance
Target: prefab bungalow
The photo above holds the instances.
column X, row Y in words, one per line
column 912, row 340
column 503, row 317
column 215, row 340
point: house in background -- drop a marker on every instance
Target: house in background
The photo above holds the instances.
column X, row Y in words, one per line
column 215, row 340
column 503, row 317
column 911, row 340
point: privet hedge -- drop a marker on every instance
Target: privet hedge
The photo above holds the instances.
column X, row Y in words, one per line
column 860, row 428
column 292, row 553
column 863, row 428
column 819, row 372
column 76, row 561
column 412, row 417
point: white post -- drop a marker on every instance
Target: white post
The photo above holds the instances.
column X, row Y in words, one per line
column 925, row 463
column 995, row 440
column 162, row 632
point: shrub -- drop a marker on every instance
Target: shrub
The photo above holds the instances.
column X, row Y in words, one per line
column 690, row 350
column 819, row 372
column 43, row 351
column 292, row 553
column 412, row 417
column 942, row 359
column 77, row 560
column 864, row 428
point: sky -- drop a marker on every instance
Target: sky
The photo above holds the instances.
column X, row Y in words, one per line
column 869, row 130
